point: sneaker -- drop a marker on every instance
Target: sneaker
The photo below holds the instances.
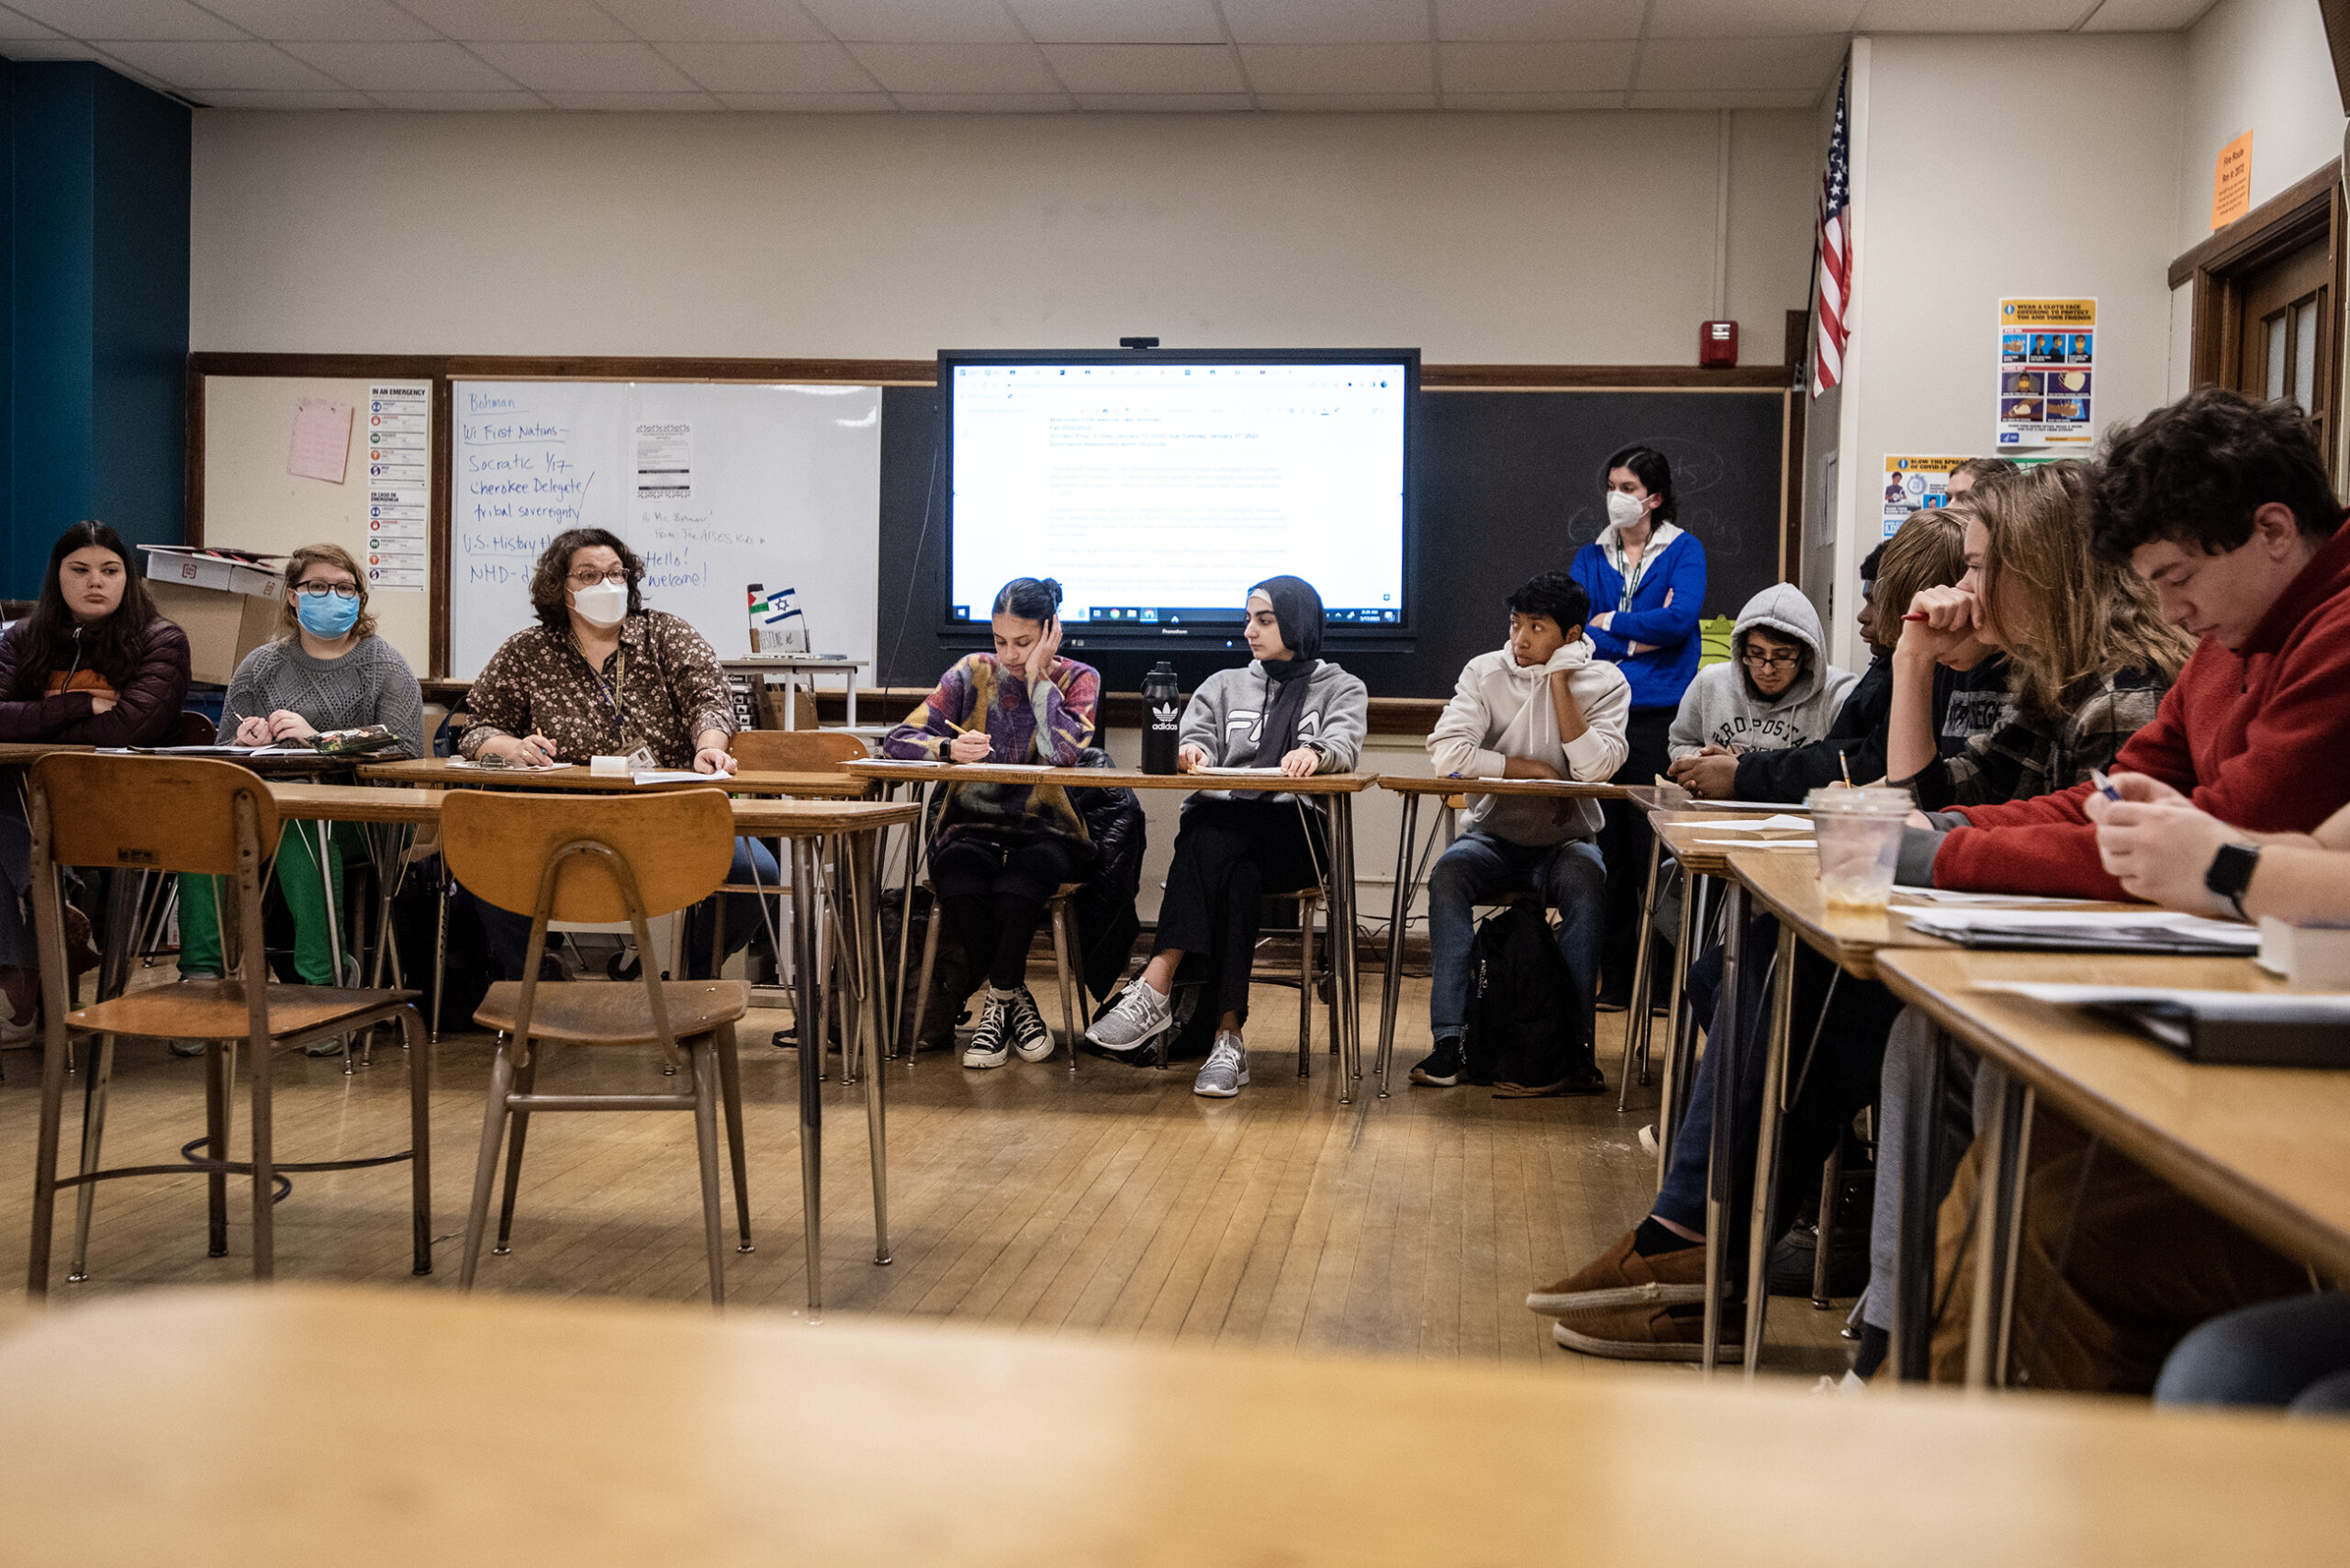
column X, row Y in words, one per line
column 17, row 1036
column 1226, row 1073
column 990, row 1042
column 1140, row 1018
column 1443, row 1067
column 1030, row 1037
column 1621, row 1277
column 1647, row 1333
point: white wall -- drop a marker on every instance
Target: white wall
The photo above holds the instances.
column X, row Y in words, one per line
column 1573, row 237
column 2262, row 66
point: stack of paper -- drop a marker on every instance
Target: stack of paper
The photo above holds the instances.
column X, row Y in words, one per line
column 2087, row 931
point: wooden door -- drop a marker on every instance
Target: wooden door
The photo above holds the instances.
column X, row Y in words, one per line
column 2286, row 347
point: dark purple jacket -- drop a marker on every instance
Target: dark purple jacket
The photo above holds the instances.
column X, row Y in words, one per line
column 146, row 709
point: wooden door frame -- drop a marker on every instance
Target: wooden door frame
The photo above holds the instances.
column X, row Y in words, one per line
column 2311, row 209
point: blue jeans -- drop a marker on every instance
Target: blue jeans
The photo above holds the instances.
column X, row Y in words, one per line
column 508, row 934
column 1569, row 877
column 2294, row 1352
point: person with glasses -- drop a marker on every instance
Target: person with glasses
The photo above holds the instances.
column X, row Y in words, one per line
column 602, row 676
column 1777, row 690
column 327, row 669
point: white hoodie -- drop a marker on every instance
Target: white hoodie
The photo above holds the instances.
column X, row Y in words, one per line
column 1501, row 709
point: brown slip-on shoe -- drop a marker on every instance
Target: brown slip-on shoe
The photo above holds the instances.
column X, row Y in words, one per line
column 1646, row 1333
column 1621, row 1277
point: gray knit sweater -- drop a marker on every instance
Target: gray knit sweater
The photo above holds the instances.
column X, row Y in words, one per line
column 370, row 685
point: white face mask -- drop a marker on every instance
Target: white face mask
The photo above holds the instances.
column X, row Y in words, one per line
column 1623, row 510
column 606, row 604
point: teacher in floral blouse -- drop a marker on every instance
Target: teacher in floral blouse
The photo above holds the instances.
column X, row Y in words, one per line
column 602, row 676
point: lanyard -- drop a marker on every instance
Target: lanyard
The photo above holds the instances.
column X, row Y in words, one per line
column 612, row 691
column 1634, row 570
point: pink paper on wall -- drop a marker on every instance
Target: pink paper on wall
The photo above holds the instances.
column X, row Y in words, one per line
column 321, row 440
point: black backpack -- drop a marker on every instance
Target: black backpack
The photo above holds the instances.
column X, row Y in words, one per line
column 1526, row 1012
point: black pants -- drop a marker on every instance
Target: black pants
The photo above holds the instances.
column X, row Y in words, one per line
column 992, row 893
column 1624, row 844
column 1228, row 856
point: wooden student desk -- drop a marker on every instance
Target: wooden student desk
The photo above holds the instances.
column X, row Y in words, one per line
column 439, row 772
column 2266, row 1148
column 1411, row 868
column 1339, row 789
column 526, row 1432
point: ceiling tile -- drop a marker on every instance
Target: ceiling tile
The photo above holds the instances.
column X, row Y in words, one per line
column 717, row 21
column 127, row 18
column 957, row 67
column 1347, row 102
column 1329, row 21
column 51, row 49
column 1975, row 16
column 402, row 67
column 197, row 67
column 808, row 103
column 2146, row 16
column 231, row 98
column 459, row 101
column 1535, row 67
column 1547, row 103
column 986, row 103
column 586, row 67
column 14, row 26
column 1146, row 67
column 1758, row 19
column 917, row 21
column 1340, row 67
column 1763, row 64
column 770, row 67
column 1727, row 98
column 1119, row 21
column 1165, row 103
column 281, row 20
column 1537, row 21
column 635, row 103
column 519, row 21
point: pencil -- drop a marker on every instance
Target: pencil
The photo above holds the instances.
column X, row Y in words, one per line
column 1844, row 763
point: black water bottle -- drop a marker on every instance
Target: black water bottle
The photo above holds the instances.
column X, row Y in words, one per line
column 1161, row 716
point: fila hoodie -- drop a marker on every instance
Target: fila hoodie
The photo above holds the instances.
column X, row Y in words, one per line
column 1501, row 709
column 1723, row 709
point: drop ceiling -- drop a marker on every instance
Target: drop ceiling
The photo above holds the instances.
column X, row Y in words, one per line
column 837, row 56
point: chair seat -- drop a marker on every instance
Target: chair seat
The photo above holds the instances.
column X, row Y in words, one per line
column 215, row 1010
column 613, row 1012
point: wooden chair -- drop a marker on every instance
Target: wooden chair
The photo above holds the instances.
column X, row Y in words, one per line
column 198, row 818
column 597, row 859
column 1058, row 920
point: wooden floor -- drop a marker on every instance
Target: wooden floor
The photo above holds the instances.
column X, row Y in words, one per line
column 1108, row 1200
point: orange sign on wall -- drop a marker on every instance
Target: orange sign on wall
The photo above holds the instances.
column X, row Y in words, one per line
column 2232, row 182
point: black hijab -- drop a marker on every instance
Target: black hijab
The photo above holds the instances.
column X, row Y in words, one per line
column 1297, row 610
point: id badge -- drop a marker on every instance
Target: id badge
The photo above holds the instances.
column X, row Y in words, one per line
column 642, row 758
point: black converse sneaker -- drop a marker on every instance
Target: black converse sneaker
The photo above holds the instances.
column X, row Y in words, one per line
column 1030, row 1037
column 991, row 1041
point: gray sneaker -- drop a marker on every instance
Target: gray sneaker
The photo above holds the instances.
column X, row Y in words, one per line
column 1226, row 1073
column 1140, row 1018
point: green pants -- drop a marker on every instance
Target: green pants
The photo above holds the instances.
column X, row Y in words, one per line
column 305, row 894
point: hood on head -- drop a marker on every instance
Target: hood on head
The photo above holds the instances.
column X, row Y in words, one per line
column 1297, row 607
column 1783, row 610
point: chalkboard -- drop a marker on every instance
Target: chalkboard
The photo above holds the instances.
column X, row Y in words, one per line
column 1507, row 484
column 715, row 486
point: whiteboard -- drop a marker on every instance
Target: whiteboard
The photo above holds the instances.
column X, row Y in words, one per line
column 716, row 486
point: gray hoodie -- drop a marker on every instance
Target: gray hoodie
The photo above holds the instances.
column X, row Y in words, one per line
column 1226, row 716
column 1720, row 708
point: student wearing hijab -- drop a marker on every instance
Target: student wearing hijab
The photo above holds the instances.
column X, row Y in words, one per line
column 1288, row 710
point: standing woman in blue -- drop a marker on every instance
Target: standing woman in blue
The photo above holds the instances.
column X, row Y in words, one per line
column 1646, row 584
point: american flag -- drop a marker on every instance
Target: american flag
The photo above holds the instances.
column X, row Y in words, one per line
column 1835, row 257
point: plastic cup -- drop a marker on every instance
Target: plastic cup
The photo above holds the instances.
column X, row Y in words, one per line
column 1859, row 833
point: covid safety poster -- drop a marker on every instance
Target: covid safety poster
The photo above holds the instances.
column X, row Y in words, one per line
column 2047, row 373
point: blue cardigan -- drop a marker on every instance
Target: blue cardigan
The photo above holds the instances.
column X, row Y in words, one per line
column 1659, row 677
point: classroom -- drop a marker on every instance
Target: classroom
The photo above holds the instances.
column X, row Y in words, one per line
column 1568, row 771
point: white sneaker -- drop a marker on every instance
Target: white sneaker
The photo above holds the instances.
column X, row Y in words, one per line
column 991, row 1041
column 1140, row 1018
column 1226, row 1072
column 1032, row 1040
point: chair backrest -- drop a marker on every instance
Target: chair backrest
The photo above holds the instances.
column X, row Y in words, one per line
column 150, row 813
column 678, row 844
column 193, row 729
column 435, row 715
column 796, row 751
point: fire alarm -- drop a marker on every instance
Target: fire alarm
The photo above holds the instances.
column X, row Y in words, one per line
column 1717, row 344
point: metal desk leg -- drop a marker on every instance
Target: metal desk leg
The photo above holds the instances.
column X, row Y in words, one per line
column 812, row 1106
column 1635, row 1015
column 1680, row 1031
column 851, row 700
column 2007, row 1146
column 862, row 863
column 1725, row 1043
column 1913, row 1284
column 1391, row 984
column 1766, row 1145
column 1342, row 951
column 791, row 702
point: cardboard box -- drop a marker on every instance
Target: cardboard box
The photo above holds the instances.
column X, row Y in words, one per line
column 191, row 566
column 222, row 627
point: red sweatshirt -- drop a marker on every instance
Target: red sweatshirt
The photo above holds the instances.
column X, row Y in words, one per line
column 2259, row 738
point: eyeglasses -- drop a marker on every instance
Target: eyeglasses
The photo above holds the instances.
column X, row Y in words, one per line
column 319, row 590
column 589, row 579
column 1772, row 661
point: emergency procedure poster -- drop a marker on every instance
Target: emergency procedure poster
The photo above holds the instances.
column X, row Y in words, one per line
column 1913, row 484
column 2047, row 373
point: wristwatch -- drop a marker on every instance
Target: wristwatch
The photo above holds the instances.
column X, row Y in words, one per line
column 2231, row 873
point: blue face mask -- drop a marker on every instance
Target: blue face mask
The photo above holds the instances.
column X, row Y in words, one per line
column 327, row 615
